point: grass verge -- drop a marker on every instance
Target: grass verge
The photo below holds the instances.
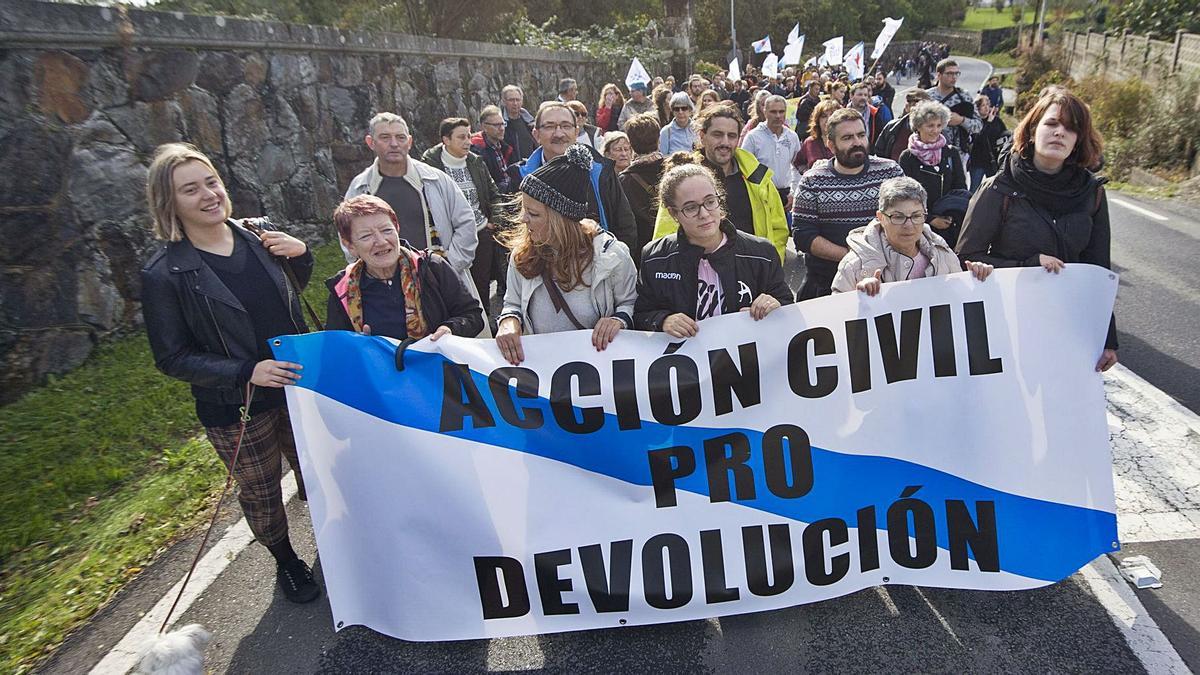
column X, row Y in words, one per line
column 987, row 18
column 105, row 467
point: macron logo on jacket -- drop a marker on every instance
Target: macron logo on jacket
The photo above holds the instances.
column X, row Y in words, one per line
column 673, row 276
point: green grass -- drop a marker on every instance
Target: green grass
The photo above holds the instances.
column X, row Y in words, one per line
column 987, row 18
column 1000, row 59
column 104, row 467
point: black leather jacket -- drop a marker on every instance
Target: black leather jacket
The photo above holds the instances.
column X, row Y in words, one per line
column 747, row 266
column 198, row 330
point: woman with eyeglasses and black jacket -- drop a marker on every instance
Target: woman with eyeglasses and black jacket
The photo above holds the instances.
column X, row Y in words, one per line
column 707, row 267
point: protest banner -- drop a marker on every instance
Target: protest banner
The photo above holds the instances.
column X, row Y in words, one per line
column 947, row 433
column 890, row 26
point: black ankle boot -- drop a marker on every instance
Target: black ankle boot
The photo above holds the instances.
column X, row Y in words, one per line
column 296, row 580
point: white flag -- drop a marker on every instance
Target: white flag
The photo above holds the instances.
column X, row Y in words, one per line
column 814, row 61
column 735, row 72
column 770, row 67
column 833, row 50
column 763, row 45
column 854, row 62
column 791, row 53
column 637, row 73
column 795, row 34
column 890, row 26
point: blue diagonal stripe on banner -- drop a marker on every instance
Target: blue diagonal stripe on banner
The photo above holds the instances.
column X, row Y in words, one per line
column 1037, row 539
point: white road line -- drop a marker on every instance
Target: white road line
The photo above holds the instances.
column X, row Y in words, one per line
column 1137, row 209
column 1156, row 460
column 125, row 655
column 1146, row 640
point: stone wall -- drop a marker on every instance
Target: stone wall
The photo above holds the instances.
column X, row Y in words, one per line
column 1131, row 56
column 87, row 93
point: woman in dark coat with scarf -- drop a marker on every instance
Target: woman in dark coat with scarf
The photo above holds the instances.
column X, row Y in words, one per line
column 936, row 165
column 1045, row 207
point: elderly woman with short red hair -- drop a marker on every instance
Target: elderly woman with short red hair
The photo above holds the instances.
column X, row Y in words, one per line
column 1045, row 207
column 393, row 289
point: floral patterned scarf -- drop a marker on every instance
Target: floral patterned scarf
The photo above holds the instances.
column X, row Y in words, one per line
column 349, row 291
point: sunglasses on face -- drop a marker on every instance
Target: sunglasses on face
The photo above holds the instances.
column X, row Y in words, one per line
column 682, row 108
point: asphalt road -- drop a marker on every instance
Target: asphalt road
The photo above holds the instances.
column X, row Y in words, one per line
column 1060, row 628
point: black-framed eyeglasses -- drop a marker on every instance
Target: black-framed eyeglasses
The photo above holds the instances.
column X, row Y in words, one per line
column 565, row 126
column 682, row 108
column 581, row 114
column 902, row 218
column 711, row 203
column 493, row 124
column 955, row 73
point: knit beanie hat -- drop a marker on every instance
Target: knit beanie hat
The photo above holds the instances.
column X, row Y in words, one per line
column 563, row 183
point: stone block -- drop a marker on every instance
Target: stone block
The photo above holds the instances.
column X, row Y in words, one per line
column 59, row 79
column 26, row 358
column 162, row 74
column 202, row 118
column 101, row 182
column 31, row 164
column 289, row 71
column 106, row 85
column 97, row 300
column 274, row 165
column 149, row 125
column 245, row 122
column 220, row 72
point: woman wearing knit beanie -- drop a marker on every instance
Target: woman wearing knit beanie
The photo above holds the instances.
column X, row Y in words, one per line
column 564, row 272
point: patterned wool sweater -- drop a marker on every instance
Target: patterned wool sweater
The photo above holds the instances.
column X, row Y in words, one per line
column 830, row 204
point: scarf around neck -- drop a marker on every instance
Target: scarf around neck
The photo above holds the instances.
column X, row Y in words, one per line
column 1068, row 191
column 929, row 153
column 349, row 291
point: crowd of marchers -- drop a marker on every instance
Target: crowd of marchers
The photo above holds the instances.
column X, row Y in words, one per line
column 659, row 207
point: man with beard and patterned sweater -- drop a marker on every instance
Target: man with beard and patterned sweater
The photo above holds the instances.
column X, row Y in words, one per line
column 834, row 197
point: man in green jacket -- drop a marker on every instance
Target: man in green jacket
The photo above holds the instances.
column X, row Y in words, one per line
column 751, row 200
column 453, row 157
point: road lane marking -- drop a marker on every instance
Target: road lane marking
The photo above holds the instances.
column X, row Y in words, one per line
column 1156, row 460
column 124, row 656
column 1145, row 639
column 1137, row 209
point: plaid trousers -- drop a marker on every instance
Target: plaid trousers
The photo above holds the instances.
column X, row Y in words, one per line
column 259, row 470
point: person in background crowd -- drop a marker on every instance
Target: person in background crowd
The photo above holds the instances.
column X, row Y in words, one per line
column 669, row 82
column 963, row 123
column 589, row 134
column 656, row 81
column 212, row 298
column 720, row 85
column 738, row 95
column 696, row 86
column 568, row 90
column 837, row 91
column 662, row 104
column 874, row 118
column 883, row 89
column 678, row 136
column 814, row 146
column 757, row 116
column 934, row 164
column 453, row 156
column 640, row 180
column 893, row 140
column 617, row 148
column 518, row 123
column 637, row 104
column 608, row 108
column 556, row 131
column 834, row 197
column 1044, row 207
column 804, row 109
column 432, row 210
column 565, row 273
column 752, row 202
column 498, row 156
column 775, row 146
column 709, row 97
column 707, row 267
column 985, row 145
column 391, row 289
column 993, row 92
column 898, row 245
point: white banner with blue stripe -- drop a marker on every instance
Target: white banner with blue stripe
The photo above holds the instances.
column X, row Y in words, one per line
column 946, row 433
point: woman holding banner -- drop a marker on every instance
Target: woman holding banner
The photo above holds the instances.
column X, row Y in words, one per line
column 564, row 272
column 1045, row 207
column 212, row 298
column 392, row 289
column 898, row 244
column 707, row 267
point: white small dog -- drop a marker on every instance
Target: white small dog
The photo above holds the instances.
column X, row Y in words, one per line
column 179, row 652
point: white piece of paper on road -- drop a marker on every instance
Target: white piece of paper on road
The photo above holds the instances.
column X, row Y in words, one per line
column 946, row 433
